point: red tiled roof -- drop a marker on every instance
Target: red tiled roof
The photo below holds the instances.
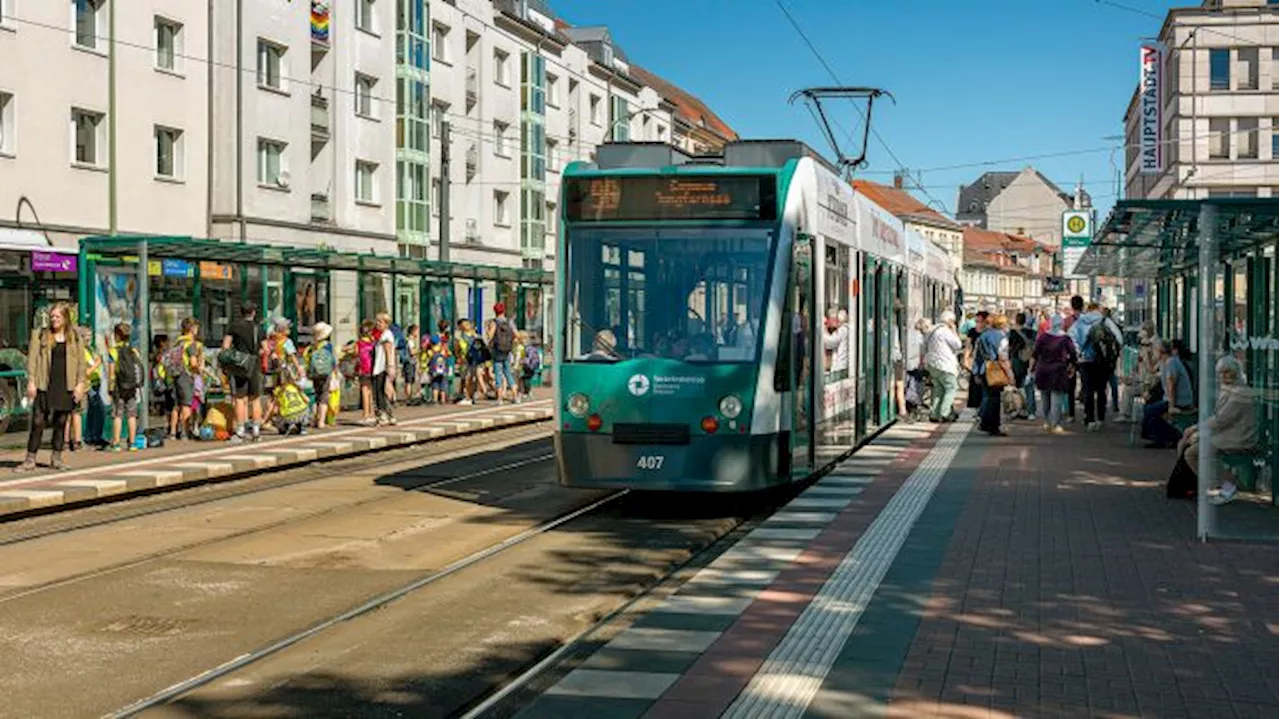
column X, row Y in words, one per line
column 901, row 203
column 692, row 110
column 989, row 240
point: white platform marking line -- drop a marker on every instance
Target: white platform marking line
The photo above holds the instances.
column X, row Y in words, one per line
column 795, row 670
column 672, row 640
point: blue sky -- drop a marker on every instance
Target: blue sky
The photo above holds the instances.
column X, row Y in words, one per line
column 974, row 81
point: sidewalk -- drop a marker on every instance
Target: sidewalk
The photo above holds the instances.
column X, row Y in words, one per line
column 97, row 474
column 944, row 573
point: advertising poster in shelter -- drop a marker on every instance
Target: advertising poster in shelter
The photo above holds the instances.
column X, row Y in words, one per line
column 117, row 298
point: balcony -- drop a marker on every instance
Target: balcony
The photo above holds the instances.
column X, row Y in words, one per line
column 320, row 211
column 473, row 87
column 319, row 118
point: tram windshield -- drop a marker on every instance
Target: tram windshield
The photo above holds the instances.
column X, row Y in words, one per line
column 696, row 295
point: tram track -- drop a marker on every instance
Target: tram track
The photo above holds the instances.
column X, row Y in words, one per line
column 257, row 529
column 180, row 689
column 25, row 529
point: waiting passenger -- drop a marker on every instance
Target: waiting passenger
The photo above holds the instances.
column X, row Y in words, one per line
column 1233, row 426
column 940, row 350
column 1175, row 385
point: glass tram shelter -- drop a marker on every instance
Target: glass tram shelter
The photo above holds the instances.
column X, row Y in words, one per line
column 180, row 277
column 1205, row 272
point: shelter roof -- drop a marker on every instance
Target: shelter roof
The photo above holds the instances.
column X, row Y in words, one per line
column 1161, row 238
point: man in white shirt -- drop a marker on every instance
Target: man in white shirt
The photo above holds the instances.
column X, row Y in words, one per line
column 939, row 352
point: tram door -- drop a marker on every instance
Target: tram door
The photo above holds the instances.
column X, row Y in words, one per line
column 803, row 322
column 878, row 330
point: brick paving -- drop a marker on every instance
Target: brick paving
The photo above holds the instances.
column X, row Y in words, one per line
column 1072, row 587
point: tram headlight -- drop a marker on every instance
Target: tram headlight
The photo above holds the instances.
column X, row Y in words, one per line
column 730, row 407
column 578, row 405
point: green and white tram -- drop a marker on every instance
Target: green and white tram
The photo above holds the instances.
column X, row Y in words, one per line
column 724, row 324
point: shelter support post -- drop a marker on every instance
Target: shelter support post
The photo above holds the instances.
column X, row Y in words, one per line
column 1204, row 328
column 143, row 334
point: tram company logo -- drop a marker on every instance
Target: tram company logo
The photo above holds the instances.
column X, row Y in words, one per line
column 1076, row 224
column 638, row 385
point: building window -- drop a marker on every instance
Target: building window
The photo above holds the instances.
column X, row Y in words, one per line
column 364, row 96
column 1249, row 59
column 1247, row 138
column 365, row 15
column 440, row 42
column 502, row 68
column 88, row 16
column 271, row 65
column 1219, row 138
column 1220, row 69
column 168, row 44
column 439, row 110
column 8, row 133
column 619, row 119
column 87, row 128
column 500, row 208
column 551, row 218
column 1275, row 134
column 553, row 165
column 366, row 176
column 593, row 108
column 169, row 153
column 553, row 90
column 271, row 169
column 1275, row 68
column 500, row 139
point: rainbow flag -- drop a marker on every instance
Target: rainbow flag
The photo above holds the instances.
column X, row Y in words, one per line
column 320, row 20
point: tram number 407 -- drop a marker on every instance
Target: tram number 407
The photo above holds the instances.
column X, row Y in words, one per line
column 650, row 461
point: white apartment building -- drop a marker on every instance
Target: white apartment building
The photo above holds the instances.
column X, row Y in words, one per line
column 303, row 109
column 56, row 115
column 523, row 96
column 1219, row 108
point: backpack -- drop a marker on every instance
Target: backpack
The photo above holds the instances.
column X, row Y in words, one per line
column 477, row 353
column 438, row 365
column 532, row 360
column 1021, row 344
column 402, row 345
column 175, row 361
column 504, row 336
column 321, row 361
column 1105, row 347
column 129, row 373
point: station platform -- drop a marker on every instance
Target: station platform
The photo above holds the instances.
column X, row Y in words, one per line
column 98, row 475
column 944, row 573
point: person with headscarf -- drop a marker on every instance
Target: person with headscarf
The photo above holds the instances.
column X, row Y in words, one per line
column 939, row 354
column 1233, row 426
column 1053, row 361
column 836, row 342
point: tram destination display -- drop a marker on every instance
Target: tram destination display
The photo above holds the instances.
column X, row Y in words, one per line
column 708, row 197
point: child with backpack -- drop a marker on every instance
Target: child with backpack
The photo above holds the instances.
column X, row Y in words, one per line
column 436, row 357
column 321, row 366
column 530, row 365
column 125, row 375
column 366, row 345
column 183, row 362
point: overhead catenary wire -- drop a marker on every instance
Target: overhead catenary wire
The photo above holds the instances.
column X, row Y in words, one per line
column 835, row 76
